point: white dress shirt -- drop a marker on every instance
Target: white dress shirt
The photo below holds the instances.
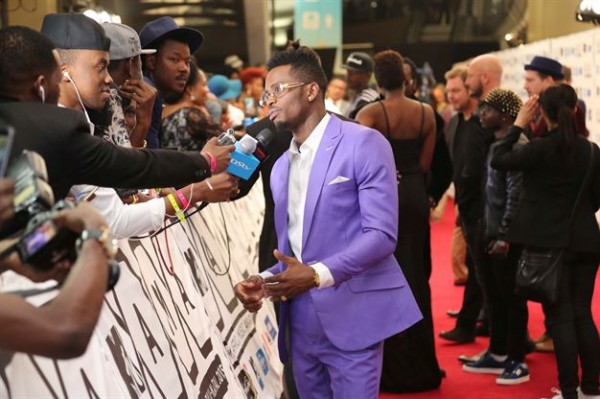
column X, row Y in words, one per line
column 125, row 220
column 301, row 162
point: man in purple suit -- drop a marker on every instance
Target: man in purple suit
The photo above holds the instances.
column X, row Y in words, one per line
column 335, row 192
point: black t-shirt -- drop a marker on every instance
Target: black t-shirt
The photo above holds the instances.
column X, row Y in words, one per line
column 471, row 144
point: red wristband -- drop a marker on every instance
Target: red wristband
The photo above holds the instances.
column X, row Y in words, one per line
column 184, row 202
column 212, row 161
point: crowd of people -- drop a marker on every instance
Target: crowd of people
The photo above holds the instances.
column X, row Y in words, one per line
column 354, row 172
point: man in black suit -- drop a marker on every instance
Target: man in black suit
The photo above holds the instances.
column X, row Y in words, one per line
column 29, row 73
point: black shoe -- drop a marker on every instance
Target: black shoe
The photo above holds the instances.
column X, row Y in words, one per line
column 473, row 358
column 453, row 313
column 458, row 335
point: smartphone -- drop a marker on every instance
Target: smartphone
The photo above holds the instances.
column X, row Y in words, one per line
column 7, row 136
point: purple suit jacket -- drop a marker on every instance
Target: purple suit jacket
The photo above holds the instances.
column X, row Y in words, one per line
column 351, row 227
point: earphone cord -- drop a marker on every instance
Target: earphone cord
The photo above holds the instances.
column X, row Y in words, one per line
column 79, row 97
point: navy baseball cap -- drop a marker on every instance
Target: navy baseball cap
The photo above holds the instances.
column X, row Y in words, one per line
column 75, row 32
column 166, row 27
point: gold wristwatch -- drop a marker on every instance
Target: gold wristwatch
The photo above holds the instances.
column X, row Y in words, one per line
column 104, row 237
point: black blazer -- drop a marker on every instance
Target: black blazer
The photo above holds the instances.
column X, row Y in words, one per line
column 551, row 182
column 73, row 156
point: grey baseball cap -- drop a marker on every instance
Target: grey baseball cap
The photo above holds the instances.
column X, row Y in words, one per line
column 124, row 42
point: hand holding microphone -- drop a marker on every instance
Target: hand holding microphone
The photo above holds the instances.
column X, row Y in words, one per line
column 217, row 155
column 249, row 152
column 221, row 188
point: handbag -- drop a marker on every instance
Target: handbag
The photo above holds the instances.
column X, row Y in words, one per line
column 538, row 274
column 539, row 269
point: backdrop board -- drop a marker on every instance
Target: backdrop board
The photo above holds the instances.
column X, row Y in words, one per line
column 163, row 334
column 579, row 51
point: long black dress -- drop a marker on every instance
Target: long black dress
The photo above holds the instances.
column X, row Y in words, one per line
column 409, row 360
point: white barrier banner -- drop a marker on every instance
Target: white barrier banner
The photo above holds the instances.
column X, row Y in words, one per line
column 172, row 327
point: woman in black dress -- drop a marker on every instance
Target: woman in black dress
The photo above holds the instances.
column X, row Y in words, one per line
column 410, row 362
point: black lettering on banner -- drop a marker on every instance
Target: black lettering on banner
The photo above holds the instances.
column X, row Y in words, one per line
column 45, row 380
column 189, row 257
column 122, row 362
column 121, row 258
column 5, row 359
column 173, row 351
column 204, row 349
column 161, row 300
column 231, row 306
column 146, row 373
column 214, row 384
column 184, row 296
column 152, row 344
column 59, row 376
column 88, row 386
column 158, row 269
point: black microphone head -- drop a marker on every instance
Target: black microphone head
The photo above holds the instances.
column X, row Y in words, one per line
column 256, row 127
column 265, row 137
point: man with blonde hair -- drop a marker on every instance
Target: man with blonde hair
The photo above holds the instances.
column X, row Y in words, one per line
column 468, row 155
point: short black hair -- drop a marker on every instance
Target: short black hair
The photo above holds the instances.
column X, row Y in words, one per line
column 414, row 70
column 304, row 61
column 389, row 69
column 25, row 54
column 68, row 56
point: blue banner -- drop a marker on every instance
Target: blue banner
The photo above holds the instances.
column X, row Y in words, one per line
column 318, row 23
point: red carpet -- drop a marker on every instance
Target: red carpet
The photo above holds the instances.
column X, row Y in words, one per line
column 463, row 385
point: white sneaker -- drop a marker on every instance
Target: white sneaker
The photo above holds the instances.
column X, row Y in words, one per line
column 582, row 395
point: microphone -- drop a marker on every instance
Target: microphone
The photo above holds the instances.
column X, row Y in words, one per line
column 243, row 163
column 263, row 139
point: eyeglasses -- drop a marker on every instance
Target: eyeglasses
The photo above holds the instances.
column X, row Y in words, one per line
column 278, row 91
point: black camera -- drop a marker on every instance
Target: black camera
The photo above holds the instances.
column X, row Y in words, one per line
column 42, row 243
column 32, row 192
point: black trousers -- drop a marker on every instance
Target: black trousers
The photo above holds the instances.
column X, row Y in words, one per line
column 507, row 311
column 473, row 297
column 572, row 327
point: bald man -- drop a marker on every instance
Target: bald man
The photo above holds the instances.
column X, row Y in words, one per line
column 483, row 75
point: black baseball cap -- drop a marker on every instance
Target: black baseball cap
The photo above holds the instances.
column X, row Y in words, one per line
column 359, row 61
column 75, row 32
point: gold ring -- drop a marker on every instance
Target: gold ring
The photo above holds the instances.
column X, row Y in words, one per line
column 283, row 298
